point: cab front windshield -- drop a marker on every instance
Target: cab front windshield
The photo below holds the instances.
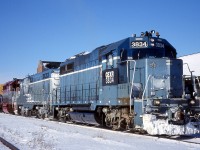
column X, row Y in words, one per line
column 153, row 53
column 147, row 53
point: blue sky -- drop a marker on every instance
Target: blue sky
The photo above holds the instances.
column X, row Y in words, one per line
column 33, row 30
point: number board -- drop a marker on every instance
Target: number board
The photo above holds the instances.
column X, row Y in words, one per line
column 139, row 44
column 110, row 77
column 160, row 45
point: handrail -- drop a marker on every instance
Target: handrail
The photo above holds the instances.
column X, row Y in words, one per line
column 132, row 83
column 144, row 93
column 131, row 90
column 193, row 84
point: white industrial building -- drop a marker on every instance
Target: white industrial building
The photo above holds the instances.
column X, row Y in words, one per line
column 191, row 64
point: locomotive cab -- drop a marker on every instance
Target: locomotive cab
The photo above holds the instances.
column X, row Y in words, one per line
column 162, row 103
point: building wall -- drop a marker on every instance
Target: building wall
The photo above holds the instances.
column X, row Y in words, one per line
column 193, row 61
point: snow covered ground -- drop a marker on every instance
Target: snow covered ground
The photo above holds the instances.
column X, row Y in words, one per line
column 30, row 133
column 3, row 147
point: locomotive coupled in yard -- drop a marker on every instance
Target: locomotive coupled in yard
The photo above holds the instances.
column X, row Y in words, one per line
column 133, row 84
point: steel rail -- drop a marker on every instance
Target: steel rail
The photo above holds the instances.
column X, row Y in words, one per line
column 8, row 144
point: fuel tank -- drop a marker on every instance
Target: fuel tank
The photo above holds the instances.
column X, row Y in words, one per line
column 83, row 117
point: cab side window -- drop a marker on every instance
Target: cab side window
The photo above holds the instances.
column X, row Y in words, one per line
column 109, row 61
column 123, row 54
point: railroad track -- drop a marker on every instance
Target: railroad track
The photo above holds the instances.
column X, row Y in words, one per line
column 190, row 139
column 8, row 144
column 194, row 139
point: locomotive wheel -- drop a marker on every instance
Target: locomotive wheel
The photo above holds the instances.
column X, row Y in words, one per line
column 63, row 119
column 119, row 125
column 41, row 116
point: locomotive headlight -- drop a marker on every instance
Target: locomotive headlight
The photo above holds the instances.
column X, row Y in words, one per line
column 152, row 44
column 152, row 40
column 156, row 102
column 192, row 102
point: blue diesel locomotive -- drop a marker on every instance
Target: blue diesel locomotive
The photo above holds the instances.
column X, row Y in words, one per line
column 133, row 84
